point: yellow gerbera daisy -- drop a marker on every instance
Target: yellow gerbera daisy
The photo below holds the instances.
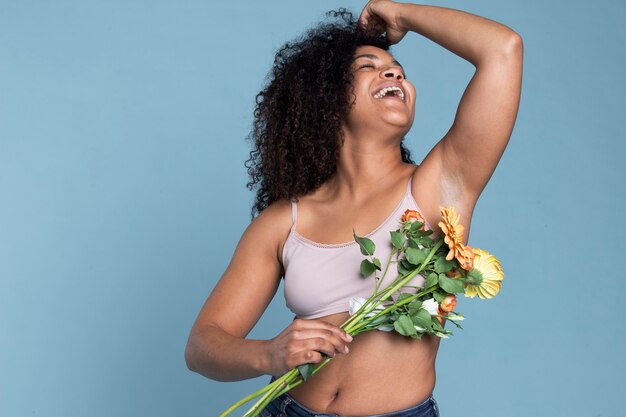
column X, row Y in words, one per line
column 492, row 275
column 452, row 230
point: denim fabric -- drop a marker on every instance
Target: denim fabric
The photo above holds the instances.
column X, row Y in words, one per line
column 287, row 406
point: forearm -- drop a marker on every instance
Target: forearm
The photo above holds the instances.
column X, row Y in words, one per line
column 220, row 356
column 472, row 37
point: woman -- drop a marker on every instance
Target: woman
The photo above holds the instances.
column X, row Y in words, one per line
column 328, row 160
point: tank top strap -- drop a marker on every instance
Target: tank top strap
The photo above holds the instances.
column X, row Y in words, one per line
column 294, row 213
column 409, row 184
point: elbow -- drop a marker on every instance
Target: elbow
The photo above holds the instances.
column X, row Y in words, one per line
column 515, row 44
column 198, row 357
column 193, row 351
column 508, row 52
column 189, row 357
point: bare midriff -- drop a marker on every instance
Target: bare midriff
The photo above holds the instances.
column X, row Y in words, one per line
column 382, row 373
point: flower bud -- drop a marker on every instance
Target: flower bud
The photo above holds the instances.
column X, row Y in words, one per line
column 448, row 303
column 455, row 317
column 411, row 216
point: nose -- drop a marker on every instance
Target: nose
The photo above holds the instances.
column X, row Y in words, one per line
column 392, row 72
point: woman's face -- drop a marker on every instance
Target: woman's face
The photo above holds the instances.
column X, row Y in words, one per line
column 383, row 95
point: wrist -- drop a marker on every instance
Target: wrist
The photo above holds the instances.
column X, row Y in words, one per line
column 261, row 357
column 402, row 19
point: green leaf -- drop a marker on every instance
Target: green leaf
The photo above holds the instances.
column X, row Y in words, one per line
column 379, row 320
column 414, row 256
column 376, row 263
column 414, row 307
column 403, row 296
column 414, row 243
column 438, row 296
column 474, row 277
column 415, row 227
column 402, row 270
column 397, row 240
column 306, row 370
column 450, row 285
column 417, row 336
column 431, row 280
column 404, row 326
column 367, row 268
column 436, row 325
column 456, row 324
column 366, row 245
column 443, row 266
column 422, row 319
column 426, row 241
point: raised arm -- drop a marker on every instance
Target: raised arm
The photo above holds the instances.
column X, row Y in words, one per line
column 467, row 155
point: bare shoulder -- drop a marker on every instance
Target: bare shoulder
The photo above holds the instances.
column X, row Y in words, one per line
column 272, row 225
column 253, row 274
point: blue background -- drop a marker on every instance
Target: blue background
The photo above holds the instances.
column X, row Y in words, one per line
column 122, row 186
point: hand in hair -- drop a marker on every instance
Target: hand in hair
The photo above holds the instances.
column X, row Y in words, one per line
column 383, row 16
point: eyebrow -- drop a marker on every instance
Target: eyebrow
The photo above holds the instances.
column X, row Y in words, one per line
column 375, row 58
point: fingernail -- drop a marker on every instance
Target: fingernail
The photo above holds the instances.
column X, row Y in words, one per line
column 347, row 350
column 348, row 337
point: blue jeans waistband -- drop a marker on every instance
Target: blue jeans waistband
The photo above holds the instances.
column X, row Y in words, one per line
column 287, row 406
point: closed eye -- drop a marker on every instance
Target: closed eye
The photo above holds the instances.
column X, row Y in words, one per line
column 372, row 66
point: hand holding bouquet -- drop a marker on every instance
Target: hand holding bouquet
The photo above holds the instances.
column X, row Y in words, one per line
column 449, row 268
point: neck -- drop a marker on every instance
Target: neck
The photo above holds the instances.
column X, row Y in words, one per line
column 365, row 161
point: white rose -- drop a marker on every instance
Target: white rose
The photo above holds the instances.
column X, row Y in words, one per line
column 357, row 302
column 431, row 306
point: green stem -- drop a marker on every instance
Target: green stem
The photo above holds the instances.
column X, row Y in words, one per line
column 266, row 388
column 353, row 326
column 356, row 316
column 299, row 380
column 245, row 400
column 393, row 307
column 391, row 289
column 385, row 272
column 272, row 393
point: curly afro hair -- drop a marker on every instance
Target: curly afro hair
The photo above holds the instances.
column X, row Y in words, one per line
column 296, row 132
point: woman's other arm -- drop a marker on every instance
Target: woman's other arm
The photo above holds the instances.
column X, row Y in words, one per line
column 468, row 154
column 465, row 158
column 217, row 347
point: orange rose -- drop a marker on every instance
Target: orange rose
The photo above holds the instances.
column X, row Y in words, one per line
column 412, row 216
column 448, row 303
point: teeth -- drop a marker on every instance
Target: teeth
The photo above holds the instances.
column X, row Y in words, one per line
column 385, row 90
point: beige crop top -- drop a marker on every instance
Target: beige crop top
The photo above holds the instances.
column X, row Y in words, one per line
column 321, row 278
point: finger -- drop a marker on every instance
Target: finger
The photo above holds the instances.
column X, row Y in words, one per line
column 308, row 356
column 321, row 324
column 364, row 18
column 320, row 344
column 339, row 344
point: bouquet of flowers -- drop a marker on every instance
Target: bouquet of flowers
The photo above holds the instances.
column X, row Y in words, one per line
column 449, row 268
